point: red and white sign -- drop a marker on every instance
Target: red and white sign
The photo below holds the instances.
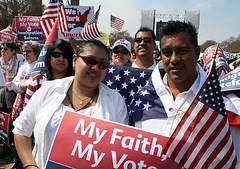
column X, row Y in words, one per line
column 86, row 142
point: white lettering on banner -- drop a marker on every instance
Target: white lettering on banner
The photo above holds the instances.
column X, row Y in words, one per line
column 73, row 18
column 128, row 142
column 2, row 116
column 70, row 11
column 229, row 84
column 22, row 24
column 22, row 19
column 90, row 127
column 117, row 164
column 33, row 19
column 33, row 24
column 88, row 150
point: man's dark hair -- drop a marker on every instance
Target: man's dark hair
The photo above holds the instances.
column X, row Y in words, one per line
column 175, row 27
column 146, row 29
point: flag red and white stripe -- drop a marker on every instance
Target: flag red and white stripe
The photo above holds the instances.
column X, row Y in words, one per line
column 53, row 10
column 90, row 30
column 116, row 23
column 202, row 139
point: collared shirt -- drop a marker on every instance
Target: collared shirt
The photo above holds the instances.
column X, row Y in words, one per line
column 175, row 109
column 150, row 68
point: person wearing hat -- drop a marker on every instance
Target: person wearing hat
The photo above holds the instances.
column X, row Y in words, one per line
column 121, row 52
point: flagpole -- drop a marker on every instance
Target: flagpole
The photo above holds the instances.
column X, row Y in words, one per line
column 99, row 7
column 213, row 58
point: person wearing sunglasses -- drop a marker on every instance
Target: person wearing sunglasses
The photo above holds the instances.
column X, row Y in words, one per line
column 58, row 64
column 144, row 46
column 82, row 93
column 121, row 52
column 9, row 65
column 31, row 51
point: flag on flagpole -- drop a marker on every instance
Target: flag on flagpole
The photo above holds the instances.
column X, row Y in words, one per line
column 202, row 139
column 116, row 23
column 53, row 10
column 90, row 30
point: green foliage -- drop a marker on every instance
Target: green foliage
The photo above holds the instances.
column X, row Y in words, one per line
column 122, row 35
column 207, row 44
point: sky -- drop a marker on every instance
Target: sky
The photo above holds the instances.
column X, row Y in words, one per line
column 219, row 19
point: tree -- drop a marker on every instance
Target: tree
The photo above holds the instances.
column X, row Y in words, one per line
column 11, row 8
column 206, row 44
column 122, row 35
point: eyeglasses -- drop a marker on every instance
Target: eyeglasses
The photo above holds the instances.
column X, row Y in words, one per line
column 146, row 40
column 5, row 49
column 58, row 54
column 27, row 51
column 90, row 61
column 117, row 51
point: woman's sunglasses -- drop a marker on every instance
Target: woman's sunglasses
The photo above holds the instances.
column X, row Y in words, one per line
column 90, row 61
column 58, row 54
column 117, row 51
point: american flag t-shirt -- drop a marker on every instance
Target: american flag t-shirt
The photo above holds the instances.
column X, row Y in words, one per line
column 202, row 139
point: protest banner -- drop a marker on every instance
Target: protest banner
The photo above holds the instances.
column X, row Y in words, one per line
column 231, row 81
column 4, row 127
column 86, row 142
column 4, row 36
column 77, row 16
column 27, row 28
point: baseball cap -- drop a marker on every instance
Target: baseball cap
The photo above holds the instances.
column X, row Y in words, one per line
column 124, row 43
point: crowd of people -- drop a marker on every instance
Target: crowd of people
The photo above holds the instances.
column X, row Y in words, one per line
column 72, row 80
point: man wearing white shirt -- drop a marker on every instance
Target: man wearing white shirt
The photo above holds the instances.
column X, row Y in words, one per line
column 144, row 46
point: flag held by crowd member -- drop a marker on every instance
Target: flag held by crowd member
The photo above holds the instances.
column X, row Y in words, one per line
column 90, row 30
column 202, row 139
column 116, row 23
column 53, row 10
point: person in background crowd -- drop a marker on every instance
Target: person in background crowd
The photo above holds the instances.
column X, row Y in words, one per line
column 82, row 93
column 121, row 52
column 144, row 46
column 9, row 64
column 133, row 55
column 58, row 64
column 156, row 55
column 31, row 51
column 177, row 89
column 2, row 80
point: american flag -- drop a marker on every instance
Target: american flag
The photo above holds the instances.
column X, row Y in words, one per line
column 53, row 10
column 126, row 80
column 7, row 30
column 90, row 30
column 202, row 139
column 116, row 23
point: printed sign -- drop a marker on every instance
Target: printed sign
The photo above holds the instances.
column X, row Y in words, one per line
column 77, row 16
column 4, row 127
column 27, row 28
column 5, row 36
column 231, row 81
column 86, row 142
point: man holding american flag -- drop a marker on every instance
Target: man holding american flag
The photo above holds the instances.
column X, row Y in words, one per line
column 186, row 105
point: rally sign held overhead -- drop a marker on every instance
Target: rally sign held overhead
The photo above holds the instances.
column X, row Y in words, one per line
column 88, row 142
column 231, row 81
column 27, row 28
column 76, row 16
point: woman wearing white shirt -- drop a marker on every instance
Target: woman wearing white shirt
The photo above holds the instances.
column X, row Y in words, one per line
column 82, row 93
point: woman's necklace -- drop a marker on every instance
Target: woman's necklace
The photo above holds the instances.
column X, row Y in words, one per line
column 81, row 100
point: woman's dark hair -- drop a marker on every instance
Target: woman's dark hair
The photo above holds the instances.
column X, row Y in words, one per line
column 10, row 44
column 90, row 43
column 67, row 50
